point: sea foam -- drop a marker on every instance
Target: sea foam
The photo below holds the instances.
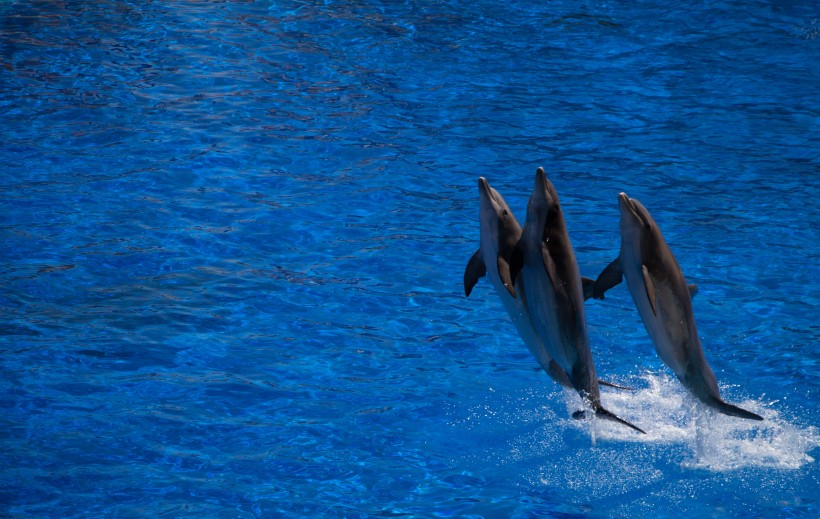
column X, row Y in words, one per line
column 669, row 414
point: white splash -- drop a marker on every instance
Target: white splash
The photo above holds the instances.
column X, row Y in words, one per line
column 668, row 414
column 521, row 429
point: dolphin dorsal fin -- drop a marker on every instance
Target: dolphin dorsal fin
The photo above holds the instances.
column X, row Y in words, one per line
column 649, row 285
column 504, row 274
column 475, row 270
column 693, row 290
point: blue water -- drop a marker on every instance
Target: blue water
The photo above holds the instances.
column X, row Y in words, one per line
column 233, row 237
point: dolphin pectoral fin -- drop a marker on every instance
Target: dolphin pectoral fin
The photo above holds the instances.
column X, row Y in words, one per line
column 649, row 285
column 608, row 278
column 733, row 410
column 588, row 286
column 549, row 265
column 616, row 386
column 504, row 274
column 516, row 263
column 607, row 415
column 693, row 290
column 475, row 269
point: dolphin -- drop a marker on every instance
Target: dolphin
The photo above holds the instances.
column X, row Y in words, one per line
column 663, row 299
column 555, row 294
column 500, row 232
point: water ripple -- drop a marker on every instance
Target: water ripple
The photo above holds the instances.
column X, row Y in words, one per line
column 233, row 236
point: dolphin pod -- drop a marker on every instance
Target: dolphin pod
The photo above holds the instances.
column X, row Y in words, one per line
column 550, row 320
column 535, row 273
column 500, row 232
column 499, row 237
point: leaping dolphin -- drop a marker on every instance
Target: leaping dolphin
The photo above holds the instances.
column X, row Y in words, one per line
column 555, row 293
column 663, row 299
column 500, row 232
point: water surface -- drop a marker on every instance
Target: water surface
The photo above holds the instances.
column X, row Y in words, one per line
column 233, row 238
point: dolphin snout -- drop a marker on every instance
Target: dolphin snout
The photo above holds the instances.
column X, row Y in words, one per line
column 483, row 185
column 624, row 202
column 541, row 193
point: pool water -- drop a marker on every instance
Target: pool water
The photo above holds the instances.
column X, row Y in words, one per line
column 234, row 233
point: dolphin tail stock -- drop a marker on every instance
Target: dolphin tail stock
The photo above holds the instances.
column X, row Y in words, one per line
column 733, row 410
column 558, row 374
column 600, row 412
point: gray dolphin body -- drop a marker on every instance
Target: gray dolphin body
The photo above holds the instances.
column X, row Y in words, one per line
column 500, row 232
column 555, row 292
column 663, row 299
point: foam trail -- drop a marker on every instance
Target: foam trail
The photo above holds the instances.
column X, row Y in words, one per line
column 670, row 415
column 703, row 442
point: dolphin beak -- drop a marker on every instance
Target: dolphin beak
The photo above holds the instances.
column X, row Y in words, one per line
column 540, row 190
column 630, row 212
column 540, row 179
column 624, row 203
column 483, row 186
column 484, row 191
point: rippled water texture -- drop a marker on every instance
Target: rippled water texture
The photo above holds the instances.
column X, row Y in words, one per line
column 233, row 238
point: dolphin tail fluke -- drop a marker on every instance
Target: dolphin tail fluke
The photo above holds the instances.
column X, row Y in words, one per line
column 733, row 410
column 603, row 413
column 616, row 386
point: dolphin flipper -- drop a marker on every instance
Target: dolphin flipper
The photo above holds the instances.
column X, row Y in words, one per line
column 608, row 278
column 588, row 286
column 504, row 274
column 475, row 270
column 516, row 262
column 603, row 413
column 549, row 266
column 649, row 286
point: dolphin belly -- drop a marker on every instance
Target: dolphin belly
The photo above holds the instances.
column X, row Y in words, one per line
column 520, row 316
column 667, row 326
column 541, row 304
